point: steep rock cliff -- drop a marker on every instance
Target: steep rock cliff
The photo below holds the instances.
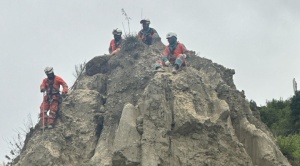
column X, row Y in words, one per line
column 120, row 112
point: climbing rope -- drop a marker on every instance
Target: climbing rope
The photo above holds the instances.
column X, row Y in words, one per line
column 43, row 112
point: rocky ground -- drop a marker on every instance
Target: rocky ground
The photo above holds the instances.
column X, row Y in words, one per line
column 121, row 112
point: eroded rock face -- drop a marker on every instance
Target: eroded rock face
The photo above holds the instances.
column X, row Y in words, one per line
column 122, row 113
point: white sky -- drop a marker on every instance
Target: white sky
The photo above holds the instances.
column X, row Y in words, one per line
column 259, row 39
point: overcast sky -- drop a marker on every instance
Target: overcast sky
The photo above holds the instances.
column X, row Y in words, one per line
column 260, row 39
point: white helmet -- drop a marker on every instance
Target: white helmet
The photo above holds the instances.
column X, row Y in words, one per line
column 145, row 20
column 171, row 34
column 48, row 70
column 117, row 32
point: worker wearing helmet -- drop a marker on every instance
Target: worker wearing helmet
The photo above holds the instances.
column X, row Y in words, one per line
column 115, row 44
column 174, row 54
column 148, row 35
column 52, row 99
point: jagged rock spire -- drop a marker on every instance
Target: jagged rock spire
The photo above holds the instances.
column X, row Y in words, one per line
column 122, row 113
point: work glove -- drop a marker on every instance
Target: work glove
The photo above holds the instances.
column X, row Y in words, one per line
column 148, row 36
column 184, row 55
column 116, row 51
column 167, row 63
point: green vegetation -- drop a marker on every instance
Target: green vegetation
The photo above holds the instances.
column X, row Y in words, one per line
column 276, row 115
column 283, row 119
column 295, row 112
column 290, row 147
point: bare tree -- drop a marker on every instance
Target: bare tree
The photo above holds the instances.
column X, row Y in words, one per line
column 16, row 144
column 79, row 71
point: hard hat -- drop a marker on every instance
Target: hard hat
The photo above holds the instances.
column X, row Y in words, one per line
column 145, row 20
column 48, row 70
column 117, row 32
column 171, row 34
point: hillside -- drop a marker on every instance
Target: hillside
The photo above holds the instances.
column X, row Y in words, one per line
column 120, row 112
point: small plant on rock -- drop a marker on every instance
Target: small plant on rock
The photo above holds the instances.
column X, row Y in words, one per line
column 127, row 18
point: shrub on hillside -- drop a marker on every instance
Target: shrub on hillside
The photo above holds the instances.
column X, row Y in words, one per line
column 276, row 115
column 132, row 43
column 290, row 147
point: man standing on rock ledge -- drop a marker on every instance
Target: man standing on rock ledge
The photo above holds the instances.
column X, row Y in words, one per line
column 174, row 54
column 52, row 99
column 115, row 44
column 148, row 35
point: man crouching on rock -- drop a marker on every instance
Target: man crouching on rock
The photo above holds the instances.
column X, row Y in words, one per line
column 174, row 54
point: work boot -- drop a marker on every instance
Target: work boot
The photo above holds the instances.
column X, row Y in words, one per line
column 50, row 127
column 175, row 69
column 159, row 70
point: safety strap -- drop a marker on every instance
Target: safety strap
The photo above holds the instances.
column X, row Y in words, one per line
column 146, row 39
column 50, row 83
column 50, row 94
column 149, row 32
column 173, row 48
column 117, row 44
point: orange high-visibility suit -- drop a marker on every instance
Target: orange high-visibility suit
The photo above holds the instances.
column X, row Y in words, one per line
column 174, row 55
column 114, row 47
column 52, row 99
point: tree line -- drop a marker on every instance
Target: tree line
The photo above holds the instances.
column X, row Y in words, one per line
column 283, row 119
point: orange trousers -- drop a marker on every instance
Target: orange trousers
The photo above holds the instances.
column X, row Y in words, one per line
column 45, row 106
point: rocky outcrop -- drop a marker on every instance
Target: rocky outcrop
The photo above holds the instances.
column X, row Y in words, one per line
column 122, row 113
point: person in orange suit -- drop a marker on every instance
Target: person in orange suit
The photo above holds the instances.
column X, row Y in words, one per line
column 115, row 44
column 148, row 35
column 52, row 99
column 174, row 54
